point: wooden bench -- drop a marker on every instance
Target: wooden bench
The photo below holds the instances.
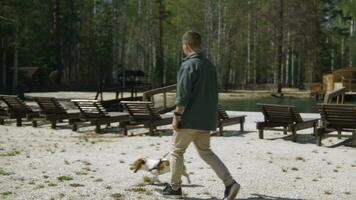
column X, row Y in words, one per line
column 225, row 120
column 53, row 111
column 284, row 116
column 336, row 117
column 143, row 113
column 16, row 109
column 94, row 112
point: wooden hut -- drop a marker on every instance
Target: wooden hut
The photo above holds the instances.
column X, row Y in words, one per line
column 344, row 77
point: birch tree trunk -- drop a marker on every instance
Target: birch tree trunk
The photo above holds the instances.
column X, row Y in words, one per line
column 16, row 57
column 57, row 40
column 248, row 70
column 280, row 48
column 351, row 43
column 115, row 41
column 3, row 64
column 287, row 59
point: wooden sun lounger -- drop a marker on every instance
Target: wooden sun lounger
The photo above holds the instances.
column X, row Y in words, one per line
column 53, row 111
column 336, row 117
column 94, row 112
column 16, row 109
column 286, row 117
column 225, row 120
column 143, row 113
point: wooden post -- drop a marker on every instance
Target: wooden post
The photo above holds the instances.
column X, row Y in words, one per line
column 164, row 100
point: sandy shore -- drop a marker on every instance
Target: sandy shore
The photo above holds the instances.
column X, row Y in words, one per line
column 40, row 163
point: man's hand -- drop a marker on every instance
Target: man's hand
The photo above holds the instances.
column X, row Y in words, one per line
column 175, row 123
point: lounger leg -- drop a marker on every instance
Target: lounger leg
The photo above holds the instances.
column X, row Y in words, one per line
column 97, row 128
column 285, row 130
column 2, row 121
column 34, row 123
column 260, row 133
column 242, row 125
column 125, row 131
column 221, row 130
column 339, row 134
column 354, row 138
column 318, row 140
column 152, row 130
column 294, row 134
column 53, row 124
column 108, row 125
column 19, row 122
column 314, row 129
column 75, row 127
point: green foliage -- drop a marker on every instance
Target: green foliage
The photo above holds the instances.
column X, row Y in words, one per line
column 98, row 39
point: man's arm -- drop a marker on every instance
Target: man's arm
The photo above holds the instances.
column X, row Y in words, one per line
column 184, row 88
column 177, row 117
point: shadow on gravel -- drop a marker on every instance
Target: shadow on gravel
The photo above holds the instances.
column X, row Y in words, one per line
column 255, row 197
column 229, row 133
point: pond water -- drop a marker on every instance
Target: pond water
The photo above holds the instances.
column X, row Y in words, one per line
column 304, row 105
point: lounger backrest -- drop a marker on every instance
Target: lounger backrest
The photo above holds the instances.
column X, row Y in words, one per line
column 90, row 108
column 50, row 105
column 141, row 110
column 280, row 113
column 222, row 113
column 15, row 104
column 338, row 115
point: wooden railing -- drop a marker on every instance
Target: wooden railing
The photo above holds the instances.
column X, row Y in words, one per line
column 338, row 93
column 149, row 95
column 348, row 82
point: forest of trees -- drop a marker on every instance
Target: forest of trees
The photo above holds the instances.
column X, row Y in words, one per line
column 251, row 42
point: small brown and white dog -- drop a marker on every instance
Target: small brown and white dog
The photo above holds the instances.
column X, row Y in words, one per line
column 155, row 167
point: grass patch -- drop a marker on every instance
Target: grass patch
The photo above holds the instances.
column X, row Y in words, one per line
column 294, row 168
column 45, row 176
column 66, row 162
column 32, row 183
column 4, row 173
column 146, row 179
column 76, row 185
column 300, row 159
column 52, row 185
column 81, row 173
column 86, row 162
column 98, row 180
column 39, row 186
column 6, row 193
column 136, row 189
column 328, row 193
column 86, row 169
column 64, row 178
column 117, row 196
column 10, row 153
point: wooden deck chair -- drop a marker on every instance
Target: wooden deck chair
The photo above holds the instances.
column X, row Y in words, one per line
column 53, row 111
column 225, row 120
column 93, row 111
column 284, row 116
column 143, row 113
column 16, row 109
column 336, row 117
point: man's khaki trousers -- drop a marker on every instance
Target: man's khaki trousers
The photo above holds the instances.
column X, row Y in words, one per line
column 201, row 140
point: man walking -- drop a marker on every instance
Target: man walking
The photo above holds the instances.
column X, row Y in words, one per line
column 195, row 116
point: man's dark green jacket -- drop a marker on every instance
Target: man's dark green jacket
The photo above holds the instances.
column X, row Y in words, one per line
column 197, row 91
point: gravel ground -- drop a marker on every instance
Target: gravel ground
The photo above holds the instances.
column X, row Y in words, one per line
column 40, row 163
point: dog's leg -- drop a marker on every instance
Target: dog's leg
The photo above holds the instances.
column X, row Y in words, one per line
column 155, row 178
column 186, row 175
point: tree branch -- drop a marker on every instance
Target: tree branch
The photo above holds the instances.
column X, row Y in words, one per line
column 7, row 19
